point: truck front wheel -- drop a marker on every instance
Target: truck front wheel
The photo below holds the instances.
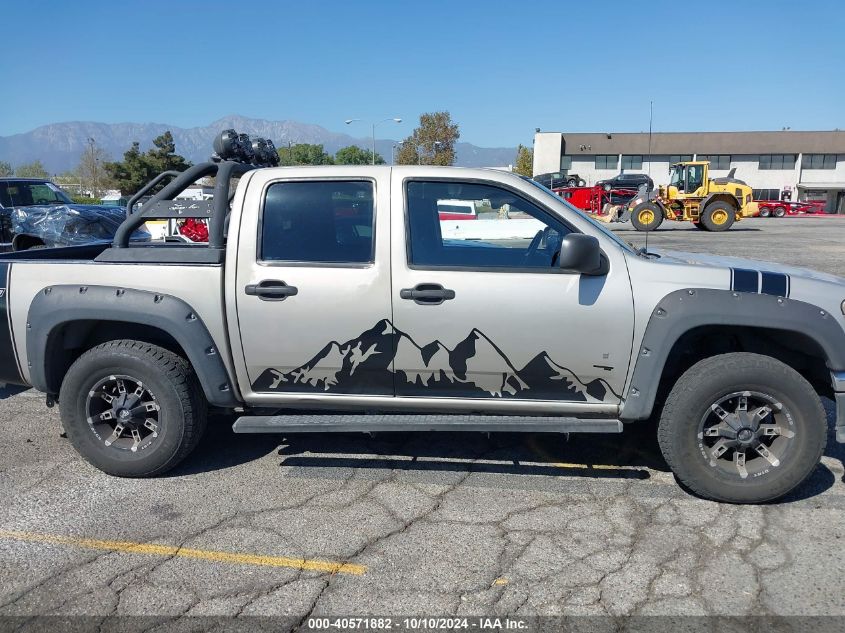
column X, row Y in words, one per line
column 132, row 409
column 742, row 428
column 647, row 216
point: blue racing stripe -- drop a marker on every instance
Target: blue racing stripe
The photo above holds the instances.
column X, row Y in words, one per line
column 775, row 284
column 743, row 280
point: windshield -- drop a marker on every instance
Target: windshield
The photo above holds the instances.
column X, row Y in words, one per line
column 676, row 176
column 27, row 193
column 598, row 225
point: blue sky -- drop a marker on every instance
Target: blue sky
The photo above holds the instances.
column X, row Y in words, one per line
column 501, row 68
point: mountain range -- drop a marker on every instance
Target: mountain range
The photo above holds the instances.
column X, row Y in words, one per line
column 384, row 358
column 59, row 145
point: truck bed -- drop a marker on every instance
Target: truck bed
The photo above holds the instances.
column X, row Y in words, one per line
column 68, row 253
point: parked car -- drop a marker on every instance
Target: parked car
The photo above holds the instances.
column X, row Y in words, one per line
column 560, row 179
column 375, row 321
column 627, row 181
column 781, row 208
column 457, row 209
column 36, row 213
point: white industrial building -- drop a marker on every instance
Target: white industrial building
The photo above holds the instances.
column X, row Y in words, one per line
column 777, row 165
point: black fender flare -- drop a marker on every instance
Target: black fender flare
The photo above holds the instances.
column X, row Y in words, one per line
column 684, row 310
column 55, row 306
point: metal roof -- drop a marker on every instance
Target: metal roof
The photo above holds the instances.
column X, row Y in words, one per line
column 783, row 142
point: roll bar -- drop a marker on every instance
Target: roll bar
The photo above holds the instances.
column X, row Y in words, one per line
column 163, row 206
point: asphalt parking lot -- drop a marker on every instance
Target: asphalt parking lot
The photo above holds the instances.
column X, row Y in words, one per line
column 402, row 524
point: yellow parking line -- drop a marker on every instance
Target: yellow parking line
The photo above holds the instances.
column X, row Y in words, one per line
column 550, row 461
column 128, row 547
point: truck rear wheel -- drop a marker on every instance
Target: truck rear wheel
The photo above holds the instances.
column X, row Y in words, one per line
column 132, row 409
column 647, row 216
column 718, row 216
column 742, row 428
column 779, row 212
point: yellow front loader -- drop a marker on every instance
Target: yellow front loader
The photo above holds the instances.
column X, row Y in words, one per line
column 691, row 195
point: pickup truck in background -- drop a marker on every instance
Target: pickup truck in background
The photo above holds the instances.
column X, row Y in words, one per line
column 327, row 299
column 36, row 213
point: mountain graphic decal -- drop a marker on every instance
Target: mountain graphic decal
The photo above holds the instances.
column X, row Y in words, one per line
column 476, row 367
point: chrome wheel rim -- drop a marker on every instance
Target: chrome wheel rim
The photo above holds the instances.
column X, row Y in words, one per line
column 746, row 434
column 123, row 413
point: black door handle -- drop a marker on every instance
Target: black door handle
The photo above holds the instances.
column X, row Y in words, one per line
column 427, row 294
column 271, row 290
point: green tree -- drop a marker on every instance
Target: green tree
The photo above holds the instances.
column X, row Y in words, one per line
column 32, row 170
column 354, row 155
column 163, row 156
column 304, row 154
column 524, row 161
column 432, row 142
column 6, row 169
column 138, row 168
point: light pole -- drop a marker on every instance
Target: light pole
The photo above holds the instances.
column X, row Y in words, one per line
column 94, row 166
column 374, row 124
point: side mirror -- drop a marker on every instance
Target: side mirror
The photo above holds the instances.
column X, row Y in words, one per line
column 581, row 253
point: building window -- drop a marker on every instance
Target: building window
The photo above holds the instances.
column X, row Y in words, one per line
column 777, row 161
column 766, row 194
column 814, row 195
column 632, row 161
column 606, row 161
column 717, row 161
column 679, row 158
column 819, row 161
column 565, row 163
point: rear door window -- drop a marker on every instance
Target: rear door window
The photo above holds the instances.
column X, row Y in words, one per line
column 319, row 222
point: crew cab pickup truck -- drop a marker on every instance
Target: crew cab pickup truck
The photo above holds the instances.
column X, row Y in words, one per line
column 326, row 299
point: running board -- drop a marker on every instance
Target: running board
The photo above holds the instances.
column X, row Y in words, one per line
column 398, row 422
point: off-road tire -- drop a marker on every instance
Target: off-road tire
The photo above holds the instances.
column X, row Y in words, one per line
column 700, row 226
column 712, row 378
column 641, row 225
column 182, row 406
column 712, row 210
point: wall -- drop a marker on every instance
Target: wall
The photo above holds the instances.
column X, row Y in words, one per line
column 547, row 152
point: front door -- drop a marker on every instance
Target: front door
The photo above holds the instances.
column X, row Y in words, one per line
column 483, row 311
column 312, row 289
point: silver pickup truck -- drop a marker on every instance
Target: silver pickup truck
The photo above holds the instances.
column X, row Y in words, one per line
column 337, row 299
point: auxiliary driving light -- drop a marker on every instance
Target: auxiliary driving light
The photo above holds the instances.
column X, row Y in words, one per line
column 230, row 145
column 226, row 145
column 259, row 151
column 273, row 153
column 246, row 154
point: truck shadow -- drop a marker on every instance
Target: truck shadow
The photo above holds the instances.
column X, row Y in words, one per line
column 632, row 455
column 7, row 391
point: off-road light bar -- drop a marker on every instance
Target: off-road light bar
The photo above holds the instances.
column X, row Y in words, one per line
column 240, row 148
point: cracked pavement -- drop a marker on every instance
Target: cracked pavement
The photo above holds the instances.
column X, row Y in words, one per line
column 445, row 523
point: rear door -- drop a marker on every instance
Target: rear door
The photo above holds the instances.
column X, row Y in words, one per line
column 312, row 285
